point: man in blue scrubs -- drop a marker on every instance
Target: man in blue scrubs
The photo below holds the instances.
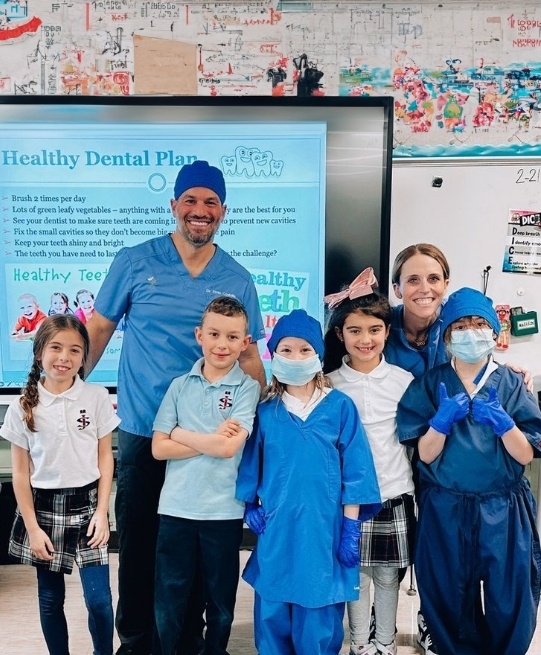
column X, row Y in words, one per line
column 160, row 288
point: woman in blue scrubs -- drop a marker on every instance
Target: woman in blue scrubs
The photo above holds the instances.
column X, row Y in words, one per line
column 420, row 278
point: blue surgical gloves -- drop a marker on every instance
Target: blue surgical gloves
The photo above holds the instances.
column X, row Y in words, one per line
column 489, row 411
column 348, row 549
column 449, row 410
column 254, row 517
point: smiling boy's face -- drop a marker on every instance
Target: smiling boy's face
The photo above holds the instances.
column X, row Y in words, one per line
column 28, row 307
column 222, row 339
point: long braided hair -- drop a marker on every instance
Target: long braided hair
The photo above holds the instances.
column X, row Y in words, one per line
column 46, row 332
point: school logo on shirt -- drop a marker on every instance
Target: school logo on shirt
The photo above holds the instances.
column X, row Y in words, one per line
column 83, row 420
column 225, row 401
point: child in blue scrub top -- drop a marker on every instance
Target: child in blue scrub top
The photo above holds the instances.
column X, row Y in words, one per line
column 304, row 473
column 475, row 427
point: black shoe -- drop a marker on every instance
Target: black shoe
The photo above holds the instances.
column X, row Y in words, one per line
column 125, row 649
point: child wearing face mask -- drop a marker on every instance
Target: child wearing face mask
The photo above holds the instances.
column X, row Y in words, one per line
column 475, row 426
column 305, row 473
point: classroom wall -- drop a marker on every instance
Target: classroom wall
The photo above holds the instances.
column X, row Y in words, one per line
column 469, row 218
column 465, row 76
column 457, row 69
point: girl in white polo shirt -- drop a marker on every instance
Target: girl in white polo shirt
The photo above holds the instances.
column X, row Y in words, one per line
column 60, row 433
column 358, row 327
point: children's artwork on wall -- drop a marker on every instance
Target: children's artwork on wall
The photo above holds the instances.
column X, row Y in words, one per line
column 504, row 316
column 465, row 77
column 15, row 22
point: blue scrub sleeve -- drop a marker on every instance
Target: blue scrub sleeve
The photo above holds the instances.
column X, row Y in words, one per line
column 523, row 408
column 415, row 409
column 113, row 298
column 255, row 322
column 359, row 479
column 250, row 467
column 167, row 416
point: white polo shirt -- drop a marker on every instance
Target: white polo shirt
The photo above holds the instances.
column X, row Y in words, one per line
column 376, row 396
column 64, row 449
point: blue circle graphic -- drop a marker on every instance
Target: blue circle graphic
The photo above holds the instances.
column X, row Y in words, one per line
column 157, row 182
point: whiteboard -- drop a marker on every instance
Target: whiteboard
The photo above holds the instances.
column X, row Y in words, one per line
column 467, row 217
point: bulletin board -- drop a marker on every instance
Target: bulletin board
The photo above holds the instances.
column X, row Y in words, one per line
column 468, row 217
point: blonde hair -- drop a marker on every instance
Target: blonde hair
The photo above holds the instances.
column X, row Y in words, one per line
column 28, row 296
column 275, row 388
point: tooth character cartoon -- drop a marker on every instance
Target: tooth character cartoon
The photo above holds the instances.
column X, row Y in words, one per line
column 262, row 162
column 276, row 166
column 229, row 164
column 244, row 161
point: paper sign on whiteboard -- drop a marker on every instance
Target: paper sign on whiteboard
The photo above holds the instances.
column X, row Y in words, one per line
column 523, row 243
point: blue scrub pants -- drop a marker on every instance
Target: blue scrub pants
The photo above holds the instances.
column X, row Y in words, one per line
column 478, row 545
column 289, row 629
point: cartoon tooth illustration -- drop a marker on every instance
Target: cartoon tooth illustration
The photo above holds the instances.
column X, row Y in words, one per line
column 244, row 161
column 276, row 166
column 229, row 165
column 262, row 162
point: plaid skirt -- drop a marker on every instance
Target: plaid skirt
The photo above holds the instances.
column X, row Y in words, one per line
column 64, row 514
column 387, row 539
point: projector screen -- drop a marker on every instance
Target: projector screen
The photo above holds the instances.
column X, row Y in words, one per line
column 307, row 195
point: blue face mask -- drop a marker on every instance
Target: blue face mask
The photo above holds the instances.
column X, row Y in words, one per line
column 471, row 346
column 296, row 372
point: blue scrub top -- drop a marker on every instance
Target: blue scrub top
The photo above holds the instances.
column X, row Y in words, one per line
column 162, row 304
column 474, row 459
column 304, row 472
column 400, row 352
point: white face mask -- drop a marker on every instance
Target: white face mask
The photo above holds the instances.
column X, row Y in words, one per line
column 471, row 345
column 296, row 372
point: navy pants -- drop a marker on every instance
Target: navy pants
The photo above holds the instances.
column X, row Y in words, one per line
column 97, row 595
column 473, row 546
column 139, row 483
column 182, row 543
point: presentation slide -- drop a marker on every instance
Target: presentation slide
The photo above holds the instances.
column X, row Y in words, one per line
column 73, row 194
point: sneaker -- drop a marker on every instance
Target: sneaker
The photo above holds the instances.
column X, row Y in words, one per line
column 389, row 649
column 369, row 649
column 424, row 639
